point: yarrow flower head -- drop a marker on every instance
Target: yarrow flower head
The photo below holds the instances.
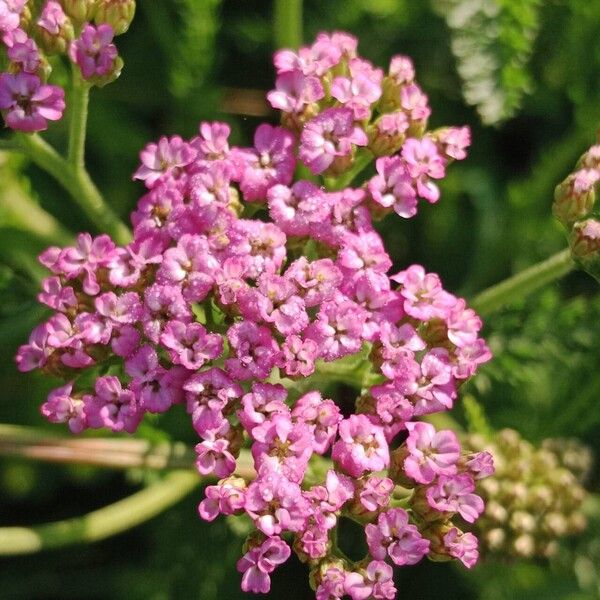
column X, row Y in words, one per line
column 246, row 322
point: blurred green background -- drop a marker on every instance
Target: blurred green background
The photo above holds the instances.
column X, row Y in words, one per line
column 524, row 75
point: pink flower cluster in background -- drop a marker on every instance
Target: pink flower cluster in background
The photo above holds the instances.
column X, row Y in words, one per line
column 27, row 101
column 231, row 316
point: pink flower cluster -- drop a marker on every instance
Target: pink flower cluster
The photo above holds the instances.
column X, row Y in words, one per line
column 231, row 316
column 27, row 101
column 342, row 107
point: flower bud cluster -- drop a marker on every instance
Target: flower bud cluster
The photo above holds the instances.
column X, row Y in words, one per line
column 227, row 315
column 344, row 108
column 535, row 497
column 575, row 207
column 27, row 100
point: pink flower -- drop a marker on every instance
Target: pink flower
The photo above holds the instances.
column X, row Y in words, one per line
column 25, row 54
column 329, row 135
column 283, row 446
column 379, row 578
column 259, row 562
column 190, row 345
column 323, row 417
column 393, row 186
column 57, row 296
column 294, row 91
column 332, row 585
column 27, row 104
column 431, row 453
column 454, row 141
column 213, row 456
column 276, row 504
column 358, row 93
column 394, row 536
column 93, row 52
column 212, row 143
column 261, row 403
column 62, row 407
column 256, row 352
column 52, row 18
column 423, row 162
column 271, row 161
column 164, row 161
column 462, row 546
column 480, row 464
column 362, row 446
column 423, row 295
column 34, row 355
column 226, row 498
column 375, row 493
column 338, row 329
column 112, row 406
column 298, row 356
column 296, row 209
column 455, row 494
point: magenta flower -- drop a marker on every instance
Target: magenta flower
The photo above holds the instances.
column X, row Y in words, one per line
column 375, row 493
column 454, row 494
column 213, row 456
column 393, row 186
column 24, row 53
column 190, row 345
column 93, row 51
column 463, row 546
column 164, row 161
column 362, row 446
column 358, row 93
column 28, row 105
column 332, row 585
column 329, row 135
column 271, row 161
column 52, row 18
column 294, row 91
column 62, row 407
column 276, row 504
column 423, row 161
column 112, row 406
column 259, row 562
column 431, row 453
column 393, row 536
column 322, row 416
column 379, row 577
column 226, row 498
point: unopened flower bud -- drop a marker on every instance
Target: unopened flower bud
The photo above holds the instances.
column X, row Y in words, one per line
column 524, row 546
column 585, row 245
column 116, row 13
column 495, row 538
column 387, row 133
column 80, row 10
column 522, row 521
column 575, row 197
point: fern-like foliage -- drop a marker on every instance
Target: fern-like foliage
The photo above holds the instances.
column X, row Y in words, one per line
column 492, row 41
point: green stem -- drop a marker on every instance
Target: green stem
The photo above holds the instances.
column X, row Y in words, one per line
column 523, row 283
column 103, row 523
column 287, row 23
column 80, row 93
column 362, row 161
column 78, row 183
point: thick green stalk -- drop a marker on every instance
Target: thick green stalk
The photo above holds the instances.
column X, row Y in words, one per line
column 80, row 92
column 103, row 523
column 287, row 23
column 523, row 283
column 79, row 185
